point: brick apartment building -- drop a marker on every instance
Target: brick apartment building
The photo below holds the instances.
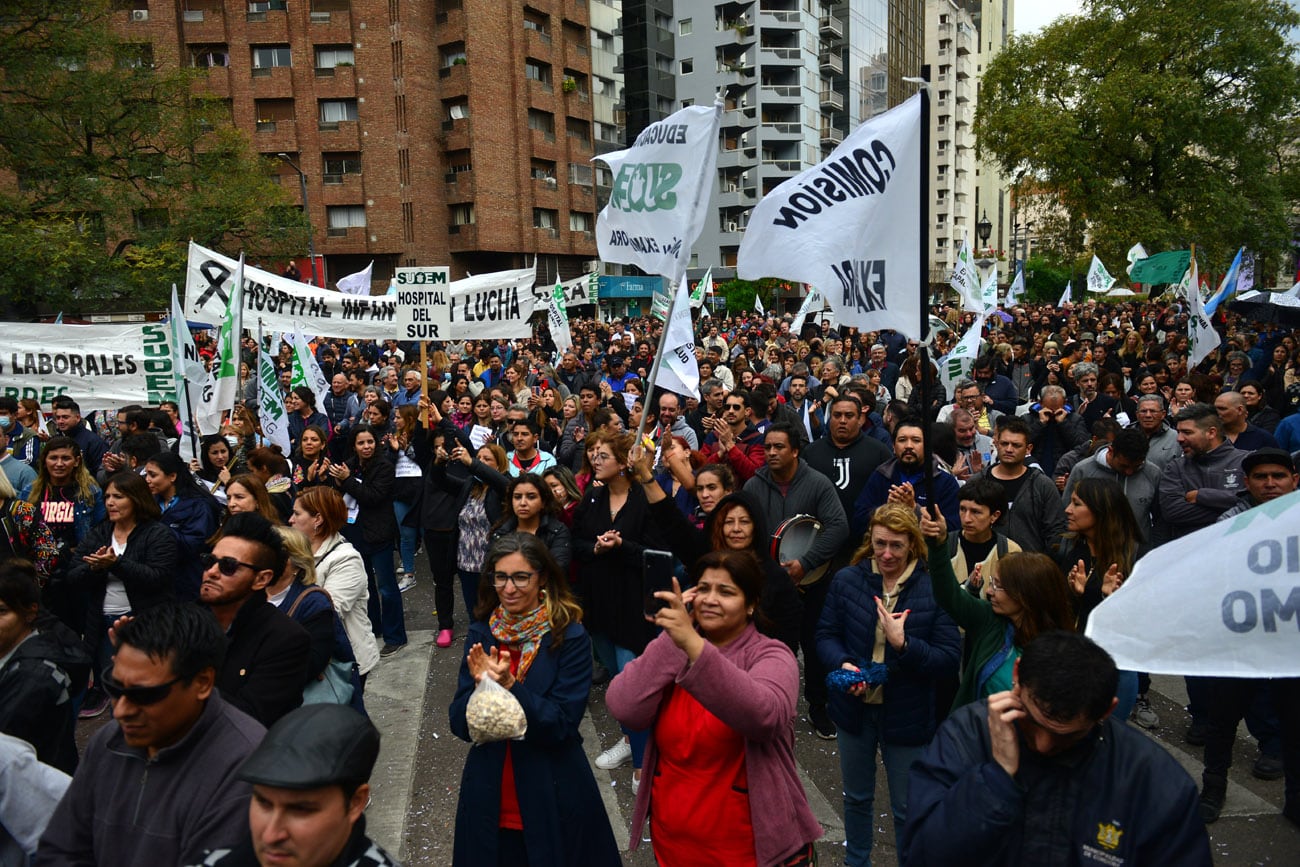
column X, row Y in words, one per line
column 453, row 132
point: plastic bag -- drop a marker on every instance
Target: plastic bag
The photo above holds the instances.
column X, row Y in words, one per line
column 493, row 714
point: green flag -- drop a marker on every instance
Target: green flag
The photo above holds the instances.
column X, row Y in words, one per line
column 1167, row 267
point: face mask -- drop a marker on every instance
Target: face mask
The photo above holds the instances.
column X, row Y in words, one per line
column 5, row 422
column 233, row 440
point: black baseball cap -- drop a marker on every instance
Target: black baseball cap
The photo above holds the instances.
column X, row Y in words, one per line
column 1276, row 457
column 312, row 747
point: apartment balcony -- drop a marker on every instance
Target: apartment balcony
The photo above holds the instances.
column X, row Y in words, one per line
column 779, row 56
column 737, row 196
column 831, row 136
column 786, row 94
column 341, row 135
column 336, row 82
column 330, row 27
column 782, row 130
column 778, row 18
column 830, row 27
column 460, row 186
column 461, row 238
column 273, row 81
column 265, row 27
column 216, row 82
column 276, row 136
column 832, row 100
column 352, row 239
column 457, row 133
column 831, row 63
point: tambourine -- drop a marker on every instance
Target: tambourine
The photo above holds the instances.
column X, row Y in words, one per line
column 793, row 539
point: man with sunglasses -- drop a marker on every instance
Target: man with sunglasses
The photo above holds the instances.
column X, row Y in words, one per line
column 265, row 668
column 1041, row 774
column 158, row 786
column 733, row 440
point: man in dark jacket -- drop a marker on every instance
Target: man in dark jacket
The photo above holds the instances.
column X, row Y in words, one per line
column 998, row 392
column 1035, row 518
column 157, row 786
column 67, row 418
column 1042, row 775
column 903, row 479
column 265, row 668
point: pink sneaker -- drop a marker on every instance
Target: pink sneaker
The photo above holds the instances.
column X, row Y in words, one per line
column 444, row 638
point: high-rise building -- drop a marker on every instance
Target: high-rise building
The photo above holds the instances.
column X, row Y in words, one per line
column 994, row 21
column 951, row 46
column 454, row 132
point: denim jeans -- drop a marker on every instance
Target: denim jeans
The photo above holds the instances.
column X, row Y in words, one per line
column 1127, row 692
column 385, row 609
column 408, row 537
column 615, row 658
column 469, row 592
column 858, row 769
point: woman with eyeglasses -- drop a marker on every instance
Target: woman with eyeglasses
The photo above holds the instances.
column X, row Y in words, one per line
column 320, row 513
column 125, row 564
column 1026, row 599
column 881, row 610
column 531, row 801
column 720, row 700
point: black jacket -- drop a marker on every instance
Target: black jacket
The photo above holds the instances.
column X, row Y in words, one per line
column 372, row 488
column 35, row 687
column 552, row 531
column 147, row 567
column 266, row 661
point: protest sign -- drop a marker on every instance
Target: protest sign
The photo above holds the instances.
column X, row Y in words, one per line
column 1228, row 598
column 848, row 226
column 493, row 306
column 578, row 291
column 557, row 317
column 99, row 366
column 423, row 303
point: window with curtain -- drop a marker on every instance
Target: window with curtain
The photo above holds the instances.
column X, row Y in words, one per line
column 335, row 110
column 346, row 216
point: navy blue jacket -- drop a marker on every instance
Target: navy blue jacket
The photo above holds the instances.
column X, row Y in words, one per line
column 876, row 493
column 846, row 632
column 1116, row 795
column 192, row 521
column 563, row 816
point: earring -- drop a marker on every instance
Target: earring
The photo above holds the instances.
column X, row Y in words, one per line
column 542, row 594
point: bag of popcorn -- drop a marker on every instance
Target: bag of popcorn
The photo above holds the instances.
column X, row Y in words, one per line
column 493, row 714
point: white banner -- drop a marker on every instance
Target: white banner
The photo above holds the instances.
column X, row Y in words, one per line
column 280, row 302
column 557, row 317
column 188, row 372
column 1136, row 254
column 98, row 366
column 270, row 408
column 848, row 226
column 1227, row 597
column 660, row 195
column 814, row 297
column 989, row 293
column 965, row 281
column 578, row 291
column 221, row 391
column 1099, row 279
column 1200, row 332
column 679, row 372
column 306, row 369
column 1016, row 289
column 1065, row 296
column 423, row 303
column 958, row 362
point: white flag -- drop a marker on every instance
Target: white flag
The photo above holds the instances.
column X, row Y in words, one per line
column 222, row 389
column 358, row 283
column 1016, row 289
column 1200, row 333
column 704, row 312
column 557, row 316
column 1246, row 276
column 961, row 358
column 848, row 226
column 1228, row 588
column 758, row 305
column 1136, row 254
column 660, row 196
column 989, row 293
column 1099, row 279
column 306, row 369
column 966, row 282
column 189, row 375
column 804, row 309
column 679, row 372
column 1065, row 296
column 702, row 289
column 270, row 408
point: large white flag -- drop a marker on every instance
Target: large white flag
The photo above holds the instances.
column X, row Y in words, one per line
column 848, row 226
column 358, row 283
column 679, row 372
column 660, row 196
column 189, row 374
column 1065, row 296
column 557, row 316
column 1136, row 254
column 814, row 297
column 961, row 358
column 222, row 388
column 966, row 282
column 989, row 293
column 306, row 369
column 270, row 407
column 1226, row 596
column 1200, row 333
column 702, row 289
column 1016, row 289
column 1099, row 279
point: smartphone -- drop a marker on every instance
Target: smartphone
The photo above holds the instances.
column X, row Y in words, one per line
column 656, row 576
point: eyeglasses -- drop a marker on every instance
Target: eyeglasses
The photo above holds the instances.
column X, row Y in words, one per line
column 141, row 696
column 519, row 579
column 598, row 457
column 993, row 586
column 225, row 565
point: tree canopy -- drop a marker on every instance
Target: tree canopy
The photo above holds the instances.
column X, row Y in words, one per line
column 1168, row 122
column 118, row 160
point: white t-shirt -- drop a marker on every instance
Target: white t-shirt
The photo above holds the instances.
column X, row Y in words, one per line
column 116, row 602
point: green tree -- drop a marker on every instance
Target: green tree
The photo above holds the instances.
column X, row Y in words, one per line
column 118, row 162
column 1162, row 121
column 740, row 293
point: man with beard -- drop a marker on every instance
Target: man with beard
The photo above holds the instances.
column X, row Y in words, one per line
column 903, row 480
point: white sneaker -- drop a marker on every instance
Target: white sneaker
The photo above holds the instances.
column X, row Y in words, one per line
column 407, row 582
column 615, row 757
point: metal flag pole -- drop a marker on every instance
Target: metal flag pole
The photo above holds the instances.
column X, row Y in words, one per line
column 923, row 235
column 654, row 367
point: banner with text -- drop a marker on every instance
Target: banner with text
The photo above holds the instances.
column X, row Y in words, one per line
column 578, row 291
column 99, row 366
column 848, row 226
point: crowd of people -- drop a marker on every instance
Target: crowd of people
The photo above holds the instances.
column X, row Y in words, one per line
column 934, row 615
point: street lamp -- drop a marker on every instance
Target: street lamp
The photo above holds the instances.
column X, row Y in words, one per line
column 982, row 231
column 302, row 180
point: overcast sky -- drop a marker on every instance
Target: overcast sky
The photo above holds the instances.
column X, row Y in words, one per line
column 1032, row 15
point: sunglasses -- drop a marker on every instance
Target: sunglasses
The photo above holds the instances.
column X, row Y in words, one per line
column 225, row 565
column 141, row 696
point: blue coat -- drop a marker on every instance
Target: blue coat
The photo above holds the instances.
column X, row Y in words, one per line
column 876, row 493
column 564, row 818
column 192, row 521
column 846, row 632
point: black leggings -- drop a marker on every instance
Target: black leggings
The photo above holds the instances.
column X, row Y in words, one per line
column 440, row 547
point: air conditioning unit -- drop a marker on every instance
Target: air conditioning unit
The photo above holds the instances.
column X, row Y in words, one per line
column 139, row 14
column 732, row 226
column 551, row 182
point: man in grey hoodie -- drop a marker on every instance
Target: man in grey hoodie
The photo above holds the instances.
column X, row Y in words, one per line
column 1125, row 461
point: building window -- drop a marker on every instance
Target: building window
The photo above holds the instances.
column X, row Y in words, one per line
column 545, row 218
column 580, row 221
column 344, row 217
column 579, row 130
column 458, row 162
column 330, row 56
column 684, row 27
column 270, row 56
column 452, row 54
column 543, row 121
column 538, row 22
column 536, row 70
column 462, row 215
column 688, row 66
column 542, row 170
column 336, row 165
column 135, row 55
column 271, row 112
column 207, row 56
column 147, row 219
column 335, row 110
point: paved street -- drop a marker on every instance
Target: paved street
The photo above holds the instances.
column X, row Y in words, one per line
column 413, row 812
